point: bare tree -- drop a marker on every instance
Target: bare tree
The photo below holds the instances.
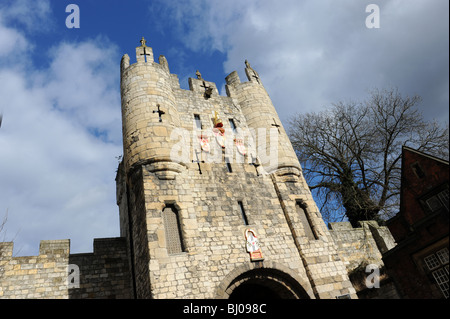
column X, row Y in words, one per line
column 351, row 152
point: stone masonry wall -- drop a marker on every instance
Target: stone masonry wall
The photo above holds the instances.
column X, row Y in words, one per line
column 102, row 274
column 363, row 244
column 43, row 276
column 213, row 234
column 213, row 229
column 162, row 170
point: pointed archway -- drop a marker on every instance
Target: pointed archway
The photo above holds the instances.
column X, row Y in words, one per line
column 258, row 290
column 264, row 283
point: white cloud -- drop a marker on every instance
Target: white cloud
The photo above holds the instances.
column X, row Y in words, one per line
column 10, row 40
column 29, row 14
column 91, row 69
column 313, row 53
column 59, row 138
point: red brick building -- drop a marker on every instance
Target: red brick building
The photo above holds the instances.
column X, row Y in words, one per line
column 419, row 262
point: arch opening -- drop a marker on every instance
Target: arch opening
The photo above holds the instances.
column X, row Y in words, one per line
column 265, row 283
column 257, row 290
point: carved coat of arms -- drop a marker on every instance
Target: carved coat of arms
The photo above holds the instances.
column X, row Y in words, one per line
column 240, row 145
column 204, row 143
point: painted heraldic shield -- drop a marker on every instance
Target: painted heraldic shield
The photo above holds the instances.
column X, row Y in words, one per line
column 204, row 143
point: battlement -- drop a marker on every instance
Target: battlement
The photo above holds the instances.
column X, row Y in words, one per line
column 54, row 247
column 61, row 247
column 145, row 57
column 155, row 108
column 102, row 273
column 6, row 250
column 47, row 249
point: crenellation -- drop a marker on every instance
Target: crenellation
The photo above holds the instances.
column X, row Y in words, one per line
column 6, row 250
column 47, row 275
column 54, row 247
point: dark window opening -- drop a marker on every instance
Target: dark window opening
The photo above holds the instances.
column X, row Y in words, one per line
column 244, row 216
column 232, row 125
column 198, row 121
column 418, row 170
column 227, row 161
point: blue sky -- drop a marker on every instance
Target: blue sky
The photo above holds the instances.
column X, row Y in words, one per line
column 60, row 99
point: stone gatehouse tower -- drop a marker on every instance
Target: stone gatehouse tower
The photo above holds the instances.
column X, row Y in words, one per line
column 212, row 200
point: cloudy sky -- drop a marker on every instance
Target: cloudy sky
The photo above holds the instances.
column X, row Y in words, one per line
column 59, row 88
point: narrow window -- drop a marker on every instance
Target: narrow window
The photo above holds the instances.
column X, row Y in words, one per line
column 198, row 121
column 244, row 216
column 232, row 125
column 227, row 161
column 418, row 170
column 174, row 241
column 304, row 218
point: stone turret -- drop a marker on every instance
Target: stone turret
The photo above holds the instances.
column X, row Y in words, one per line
column 149, row 113
column 187, row 219
column 274, row 148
